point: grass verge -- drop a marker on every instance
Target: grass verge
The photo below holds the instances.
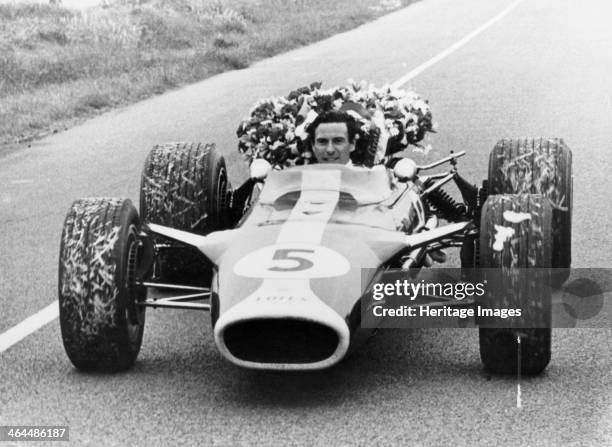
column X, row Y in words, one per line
column 58, row 66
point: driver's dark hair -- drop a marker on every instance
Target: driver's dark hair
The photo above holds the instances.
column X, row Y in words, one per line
column 333, row 116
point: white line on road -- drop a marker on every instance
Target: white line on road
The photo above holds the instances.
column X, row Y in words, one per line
column 49, row 313
column 450, row 50
column 519, row 402
column 28, row 326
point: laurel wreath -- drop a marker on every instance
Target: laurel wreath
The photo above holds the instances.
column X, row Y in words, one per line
column 276, row 127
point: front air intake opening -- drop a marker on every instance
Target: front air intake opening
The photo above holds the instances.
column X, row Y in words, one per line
column 272, row 340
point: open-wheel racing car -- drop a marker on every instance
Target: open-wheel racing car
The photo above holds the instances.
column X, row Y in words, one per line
column 281, row 269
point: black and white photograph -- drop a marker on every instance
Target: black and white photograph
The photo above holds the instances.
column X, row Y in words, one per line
column 305, row 223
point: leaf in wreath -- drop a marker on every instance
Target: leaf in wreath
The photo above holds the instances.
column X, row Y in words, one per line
column 316, row 85
column 261, row 132
column 267, row 112
column 337, row 94
column 241, row 129
column 302, row 145
column 294, row 94
column 324, row 103
column 288, row 110
column 393, row 111
column 275, row 134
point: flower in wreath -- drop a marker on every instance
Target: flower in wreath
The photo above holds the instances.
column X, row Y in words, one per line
column 276, row 128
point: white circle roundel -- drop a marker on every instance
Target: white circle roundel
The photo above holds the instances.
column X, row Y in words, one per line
column 292, row 260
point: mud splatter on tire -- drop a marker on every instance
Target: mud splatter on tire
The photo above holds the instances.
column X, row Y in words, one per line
column 539, row 166
column 101, row 324
column 521, row 267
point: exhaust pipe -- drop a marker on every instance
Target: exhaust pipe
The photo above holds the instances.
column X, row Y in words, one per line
column 282, row 326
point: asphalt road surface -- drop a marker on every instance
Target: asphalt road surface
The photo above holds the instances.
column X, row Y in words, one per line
column 541, row 70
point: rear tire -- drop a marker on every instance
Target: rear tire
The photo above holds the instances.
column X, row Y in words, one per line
column 522, row 281
column 185, row 186
column 539, row 166
column 101, row 322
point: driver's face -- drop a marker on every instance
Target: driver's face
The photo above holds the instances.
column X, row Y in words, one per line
column 331, row 143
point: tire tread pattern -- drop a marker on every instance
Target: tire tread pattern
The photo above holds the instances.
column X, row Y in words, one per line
column 538, row 166
column 174, row 191
column 92, row 314
column 528, row 248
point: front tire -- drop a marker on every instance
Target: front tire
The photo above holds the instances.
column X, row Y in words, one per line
column 101, row 321
column 519, row 267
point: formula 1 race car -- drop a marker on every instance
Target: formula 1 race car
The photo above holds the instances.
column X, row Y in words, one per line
column 281, row 271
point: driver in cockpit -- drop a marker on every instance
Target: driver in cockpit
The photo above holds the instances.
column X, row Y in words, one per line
column 332, row 137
